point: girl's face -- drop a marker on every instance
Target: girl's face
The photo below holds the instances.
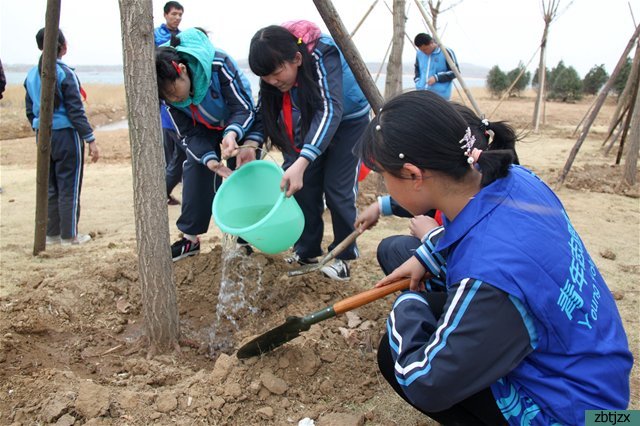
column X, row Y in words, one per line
column 178, row 90
column 412, row 190
column 284, row 77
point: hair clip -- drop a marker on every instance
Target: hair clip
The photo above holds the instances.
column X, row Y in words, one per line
column 401, row 156
column 378, row 128
column 474, row 156
column 485, row 122
column 299, row 41
column 175, row 65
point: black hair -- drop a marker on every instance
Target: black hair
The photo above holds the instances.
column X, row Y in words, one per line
column 172, row 5
column 489, row 135
column 424, row 129
column 61, row 43
column 422, row 39
column 270, row 48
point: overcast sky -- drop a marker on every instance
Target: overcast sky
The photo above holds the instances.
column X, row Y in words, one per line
column 481, row 32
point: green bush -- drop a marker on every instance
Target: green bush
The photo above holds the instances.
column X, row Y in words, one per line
column 565, row 84
column 621, row 79
column 594, row 80
column 522, row 83
column 497, row 81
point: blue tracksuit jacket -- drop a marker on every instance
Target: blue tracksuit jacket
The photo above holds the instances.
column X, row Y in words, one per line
column 528, row 314
column 435, row 65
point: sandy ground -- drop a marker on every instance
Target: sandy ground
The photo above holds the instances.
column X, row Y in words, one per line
column 69, row 318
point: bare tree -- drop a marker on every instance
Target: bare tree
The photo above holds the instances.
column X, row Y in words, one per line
column 435, row 9
column 47, row 91
column 549, row 13
column 149, row 196
column 393, row 84
column 631, row 161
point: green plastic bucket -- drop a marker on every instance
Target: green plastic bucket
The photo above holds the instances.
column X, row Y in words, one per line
column 249, row 204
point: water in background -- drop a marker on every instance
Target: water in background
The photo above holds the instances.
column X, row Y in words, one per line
column 116, row 77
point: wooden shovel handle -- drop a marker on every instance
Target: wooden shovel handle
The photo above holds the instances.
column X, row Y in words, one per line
column 340, row 247
column 369, row 296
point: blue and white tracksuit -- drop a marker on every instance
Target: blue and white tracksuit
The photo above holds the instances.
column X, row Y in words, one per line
column 528, row 314
column 69, row 128
column 328, row 145
column 435, row 65
column 228, row 105
column 174, row 155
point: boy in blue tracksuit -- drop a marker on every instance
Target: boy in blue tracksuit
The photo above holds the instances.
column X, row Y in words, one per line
column 432, row 71
column 210, row 104
column 526, row 331
column 69, row 128
column 174, row 154
column 313, row 110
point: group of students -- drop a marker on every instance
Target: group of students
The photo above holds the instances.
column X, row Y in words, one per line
column 507, row 320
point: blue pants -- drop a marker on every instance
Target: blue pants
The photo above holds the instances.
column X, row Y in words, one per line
column 65, row 182
column 395, row 250
column 334, row 176
column 174, row 156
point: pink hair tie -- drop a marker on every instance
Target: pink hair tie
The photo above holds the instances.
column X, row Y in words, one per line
column 474, row 156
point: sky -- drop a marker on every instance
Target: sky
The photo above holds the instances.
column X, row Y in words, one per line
column 481, row 32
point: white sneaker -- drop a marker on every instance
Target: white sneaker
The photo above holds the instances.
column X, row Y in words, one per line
column 79, row 239
column 53, row 240
column 337, row 270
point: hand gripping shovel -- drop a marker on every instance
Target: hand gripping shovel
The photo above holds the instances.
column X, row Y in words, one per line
column 305, row 269
column 294, row 325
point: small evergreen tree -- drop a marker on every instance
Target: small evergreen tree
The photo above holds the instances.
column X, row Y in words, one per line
column 534, row 80
column 566, row 85
column 522, row 82
column 595, row 79
column 497, row 81
column 621, row 79
column 554, row 73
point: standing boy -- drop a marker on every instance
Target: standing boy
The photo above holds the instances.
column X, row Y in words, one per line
column 432, row 71
column 174, row 154
column 69, row 128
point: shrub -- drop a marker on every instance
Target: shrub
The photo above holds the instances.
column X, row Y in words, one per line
column 497, row 81
column 594, row 80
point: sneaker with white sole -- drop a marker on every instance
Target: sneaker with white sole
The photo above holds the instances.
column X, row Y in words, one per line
column 184, row 248
column 337, row 270
column 78, row 239
column 53, row 240
column 295, row 258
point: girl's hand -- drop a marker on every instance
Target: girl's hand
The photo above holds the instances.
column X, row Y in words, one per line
column 419, row 226
column 229, row 145
column 94, row 152
column 369, row 217
column 219, row 168
column 292, row 179
column 246, row 153
column 413, row 269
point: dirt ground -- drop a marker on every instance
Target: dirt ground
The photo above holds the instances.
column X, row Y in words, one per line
column 70, row 317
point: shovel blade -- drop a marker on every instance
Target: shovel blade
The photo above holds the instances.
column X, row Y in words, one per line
column 274, row 337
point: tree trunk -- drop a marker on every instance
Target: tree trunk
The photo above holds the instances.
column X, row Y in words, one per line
column 625, row 97
column 542, row 73
column 351, row 55
column 393, row 84
column 631, row 161
column 596, row 107
column 47, row 93
column 149, row 187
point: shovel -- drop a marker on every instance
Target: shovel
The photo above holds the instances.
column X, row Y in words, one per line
column 305, row 269
column 294, row 325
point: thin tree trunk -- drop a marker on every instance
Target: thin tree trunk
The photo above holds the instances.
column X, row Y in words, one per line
column 627, row 123
column 542, row 72
column 47, row 93
column 149, row 188
column 596, row 108
column 631, row 161
column 626, row 95
column 355, row 30
column 393, row 84
column 340, row 35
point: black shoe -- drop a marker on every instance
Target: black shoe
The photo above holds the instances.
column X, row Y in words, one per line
column 294, row 258
column 337, row 270
column 184, row 248
column 172, row 201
